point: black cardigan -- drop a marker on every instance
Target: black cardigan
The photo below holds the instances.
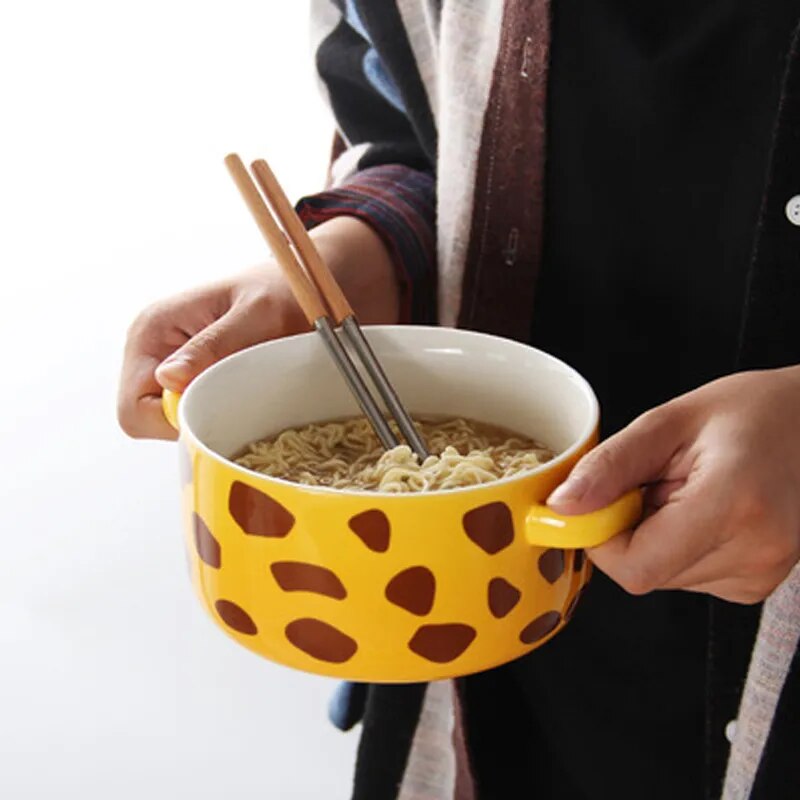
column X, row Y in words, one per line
column 770, row 338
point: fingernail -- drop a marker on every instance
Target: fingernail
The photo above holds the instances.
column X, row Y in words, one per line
column 570, row 491
column 173, row 363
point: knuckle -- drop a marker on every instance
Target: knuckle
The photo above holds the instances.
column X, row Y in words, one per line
column 751, row 508
column 128, row 421
column 762, row 589
column 743, row 597
column 147, row 318
column 751, row 598
column 209, row 342
column 212, row 344
column 272, row 313
column 659, row 420
column 135, row 420
column 638, row 581
column 652, row 419
column 772, row 553
column 749, row 595
column 257, row 301
column 136, row 426
column 603, row 459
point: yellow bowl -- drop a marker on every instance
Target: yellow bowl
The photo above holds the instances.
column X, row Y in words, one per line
column 377, row 587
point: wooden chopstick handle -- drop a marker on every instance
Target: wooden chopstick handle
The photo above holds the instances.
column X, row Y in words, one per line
column 304, row 291
column 317, row 268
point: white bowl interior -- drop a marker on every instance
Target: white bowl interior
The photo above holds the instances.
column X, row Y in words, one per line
column 437, row 371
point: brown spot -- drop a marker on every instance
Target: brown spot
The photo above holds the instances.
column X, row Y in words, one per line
column 442, row 643
column 372, row 527
column 295, row 576
column 551, row 565
column 490, row 527
column 577, row 560
column 413, row 589
column 256, row 513
column 206, row 545
column 184, row 464
column 540, row 627
column 503, row 596
column 236, row 617
column 321, row 641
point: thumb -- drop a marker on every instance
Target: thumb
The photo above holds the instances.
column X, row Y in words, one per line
column 636, row 455
column 224, row 336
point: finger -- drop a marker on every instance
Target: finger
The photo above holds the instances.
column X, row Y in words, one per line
column 743, row 579
column 719, row 562
column 233, row 331
column 153, row 421
column 660, row 493
column 732, row 590
column 636, row 455
column 139, row 407
column 667, row 543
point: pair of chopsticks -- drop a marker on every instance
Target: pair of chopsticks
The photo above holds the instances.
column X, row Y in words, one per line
column 321, row 299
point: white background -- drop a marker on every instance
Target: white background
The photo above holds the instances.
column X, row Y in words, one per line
column 116, row 118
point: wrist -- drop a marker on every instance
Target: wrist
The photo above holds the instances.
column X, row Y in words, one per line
column 362, row 264
column 789, row 377
column 794, row 372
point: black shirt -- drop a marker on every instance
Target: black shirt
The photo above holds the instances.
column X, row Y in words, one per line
column 659, row 128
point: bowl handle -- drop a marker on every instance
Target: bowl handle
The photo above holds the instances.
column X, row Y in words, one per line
column 169, row 405
column 545, row 528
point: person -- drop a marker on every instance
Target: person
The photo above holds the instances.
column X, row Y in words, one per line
column 617, row 183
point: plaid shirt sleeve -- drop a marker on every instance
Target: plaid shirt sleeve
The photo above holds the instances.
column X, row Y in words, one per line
column 398, row 203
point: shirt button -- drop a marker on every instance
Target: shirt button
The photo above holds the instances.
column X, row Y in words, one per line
column 793, row 210
column 730, row 731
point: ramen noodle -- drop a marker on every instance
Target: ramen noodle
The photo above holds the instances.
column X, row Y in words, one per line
column 347, row 455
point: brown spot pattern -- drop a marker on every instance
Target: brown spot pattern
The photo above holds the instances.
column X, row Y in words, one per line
column 413, row 589
column 540, row 627
column 442, row 643
column 297, row 576
column 551, row 564
column 206, row 545
column 235, row 617
column 491, row 527
column 321, row 641
column 373, row 528
column 503, row 597
column 577, row 560
column 256, row 513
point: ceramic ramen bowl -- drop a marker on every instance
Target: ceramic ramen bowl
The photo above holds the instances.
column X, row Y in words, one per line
column 378, row 587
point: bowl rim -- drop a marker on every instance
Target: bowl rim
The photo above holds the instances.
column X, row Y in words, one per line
column 436, row 330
